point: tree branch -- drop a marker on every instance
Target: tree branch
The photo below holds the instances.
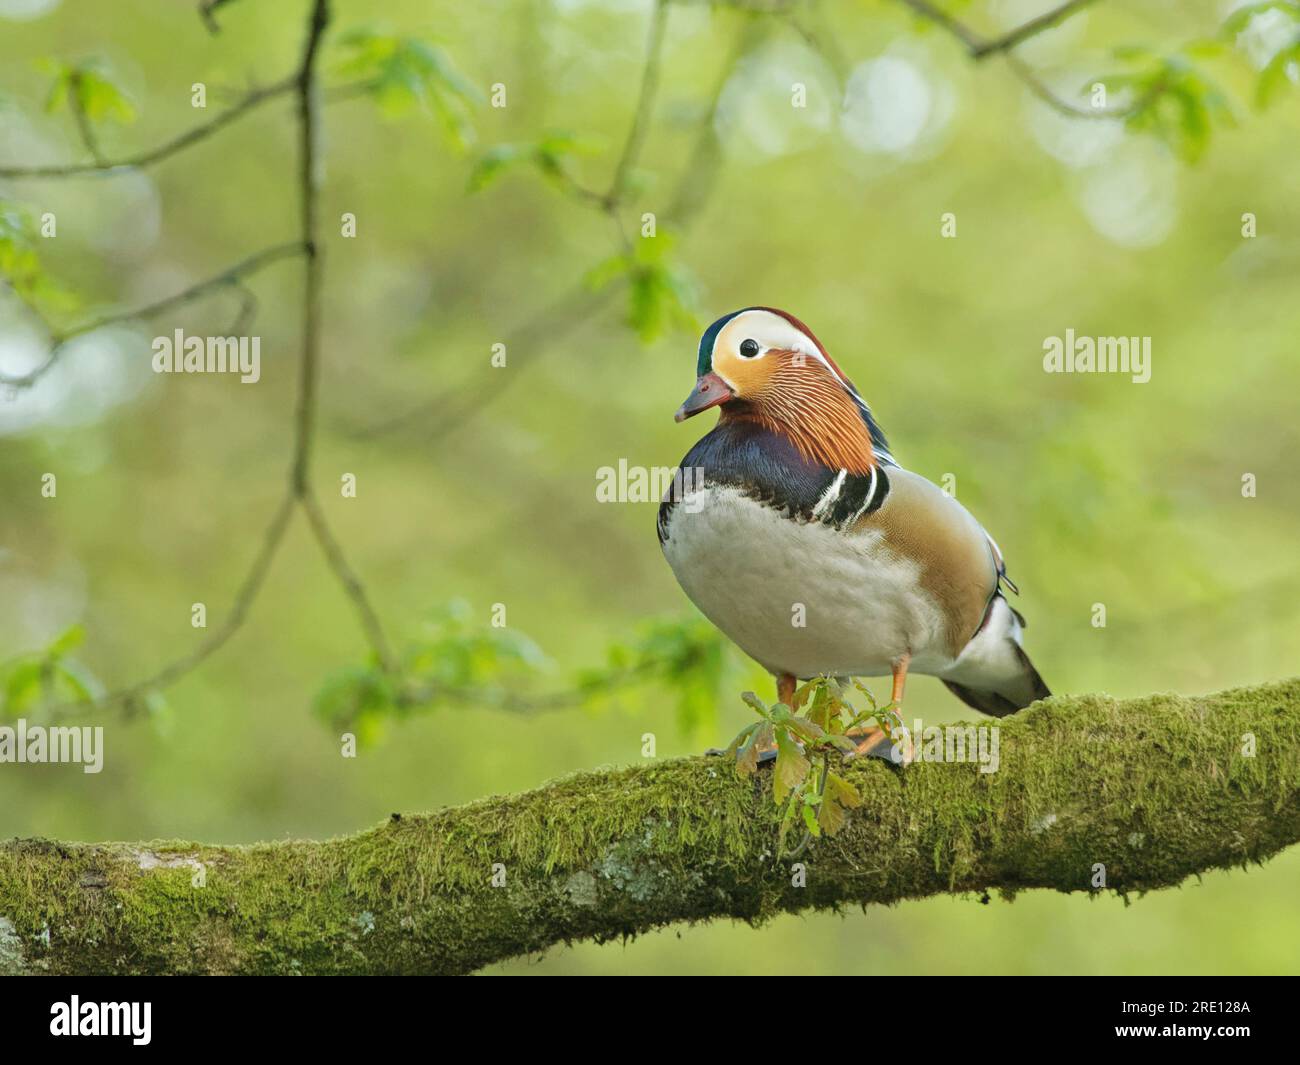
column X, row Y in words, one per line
column 231, row 276
column 979, row 48
column 162, row 151
column 1146, row 791
column 306, row 86
column 1029, row 29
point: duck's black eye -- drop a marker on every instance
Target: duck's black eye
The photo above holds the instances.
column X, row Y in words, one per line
column 748, row 348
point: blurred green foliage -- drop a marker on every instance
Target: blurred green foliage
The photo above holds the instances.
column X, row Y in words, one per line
column 662, row 293
column 87, row 86
column 551, row 156
column 20, row 263
column 404, row 72
column 50, row 677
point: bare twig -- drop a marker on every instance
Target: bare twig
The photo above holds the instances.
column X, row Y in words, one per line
column 308, row 190
column 644, row 105
column 247, row 594
column 449, row 410
column 932, row 13
column 208, row 13
column 162, row 151
column 979, row 48
column 446, row 413
column 1029, row 29
column 695, row 183
column 84, row 126
column 347, row 577
column 309, row 365
column 1065, row 107
column 229, row 276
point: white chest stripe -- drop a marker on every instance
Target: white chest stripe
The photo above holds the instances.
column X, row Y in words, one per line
column 866, row 503
column 830, row 495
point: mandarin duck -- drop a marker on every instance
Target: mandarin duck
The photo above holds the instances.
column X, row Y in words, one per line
column 804, row 541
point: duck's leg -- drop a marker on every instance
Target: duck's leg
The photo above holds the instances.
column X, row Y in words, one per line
column 875, row 742
column 900, row 679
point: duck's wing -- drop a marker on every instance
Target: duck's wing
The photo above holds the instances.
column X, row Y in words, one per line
column 963, row 569
column 954, row 556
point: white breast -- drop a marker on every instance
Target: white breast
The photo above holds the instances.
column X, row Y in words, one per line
column 801, row 597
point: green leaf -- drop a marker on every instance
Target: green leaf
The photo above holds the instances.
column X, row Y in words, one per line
column 662, row 294
column 493, row 163
column 101, row 99
column 792, row 766
column 19, row 264
column 760, row 739
column 787, row 821
column 810, row 820
column 606, row 271
column 1172, row 99
column 91, row 87
column 805, row 729
column 353, row 695
column 22, row 685
column 841, row 791
column 550, row 156
column 1275, row 78
column 831, row 817
column 1241, row 17
column 75, row 681
column 403, row 73
column 161, row 714
column 70, row 639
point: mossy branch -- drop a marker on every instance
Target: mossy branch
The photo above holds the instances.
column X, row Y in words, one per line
column 1150, row 790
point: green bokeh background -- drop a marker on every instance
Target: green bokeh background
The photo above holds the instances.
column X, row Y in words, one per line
column 1098, row 490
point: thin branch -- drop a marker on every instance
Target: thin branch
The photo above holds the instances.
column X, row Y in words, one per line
column 352, row 584
column 309, row 366
column 208, row 13
column 308, row 192
column 169, row 148
column 553, row 322
column 931, row 13
column 695, row 184
column 824, row 45
column 84, row 126
column 1069, row 109
column 979, row 48
column 231, row 275
column 306, row 87
column 447, row 412
column 1030, row 29
column 644, row 105
column 247, row 594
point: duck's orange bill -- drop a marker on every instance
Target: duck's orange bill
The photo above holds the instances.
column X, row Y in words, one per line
column 709, row 391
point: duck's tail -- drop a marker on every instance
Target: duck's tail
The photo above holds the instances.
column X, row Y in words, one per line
column 993, row 674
